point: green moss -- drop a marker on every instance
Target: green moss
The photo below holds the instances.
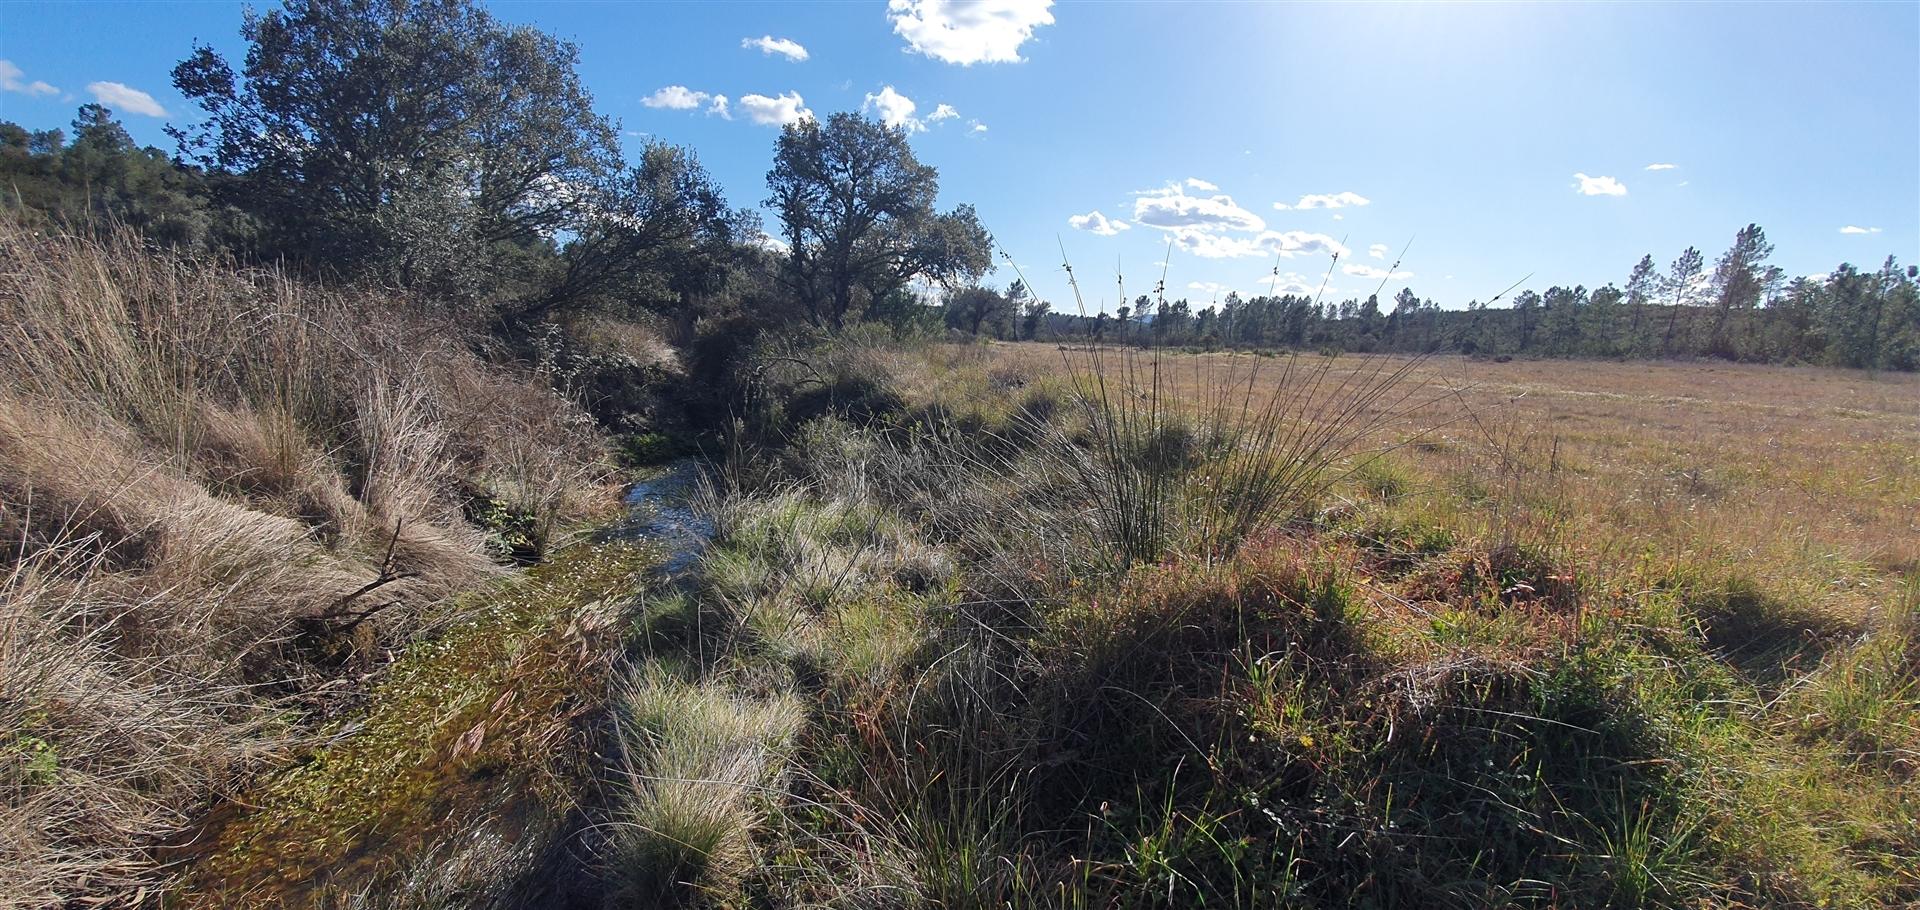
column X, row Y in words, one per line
column 474, row 724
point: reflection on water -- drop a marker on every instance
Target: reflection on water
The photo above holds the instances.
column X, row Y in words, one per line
column 661, row 510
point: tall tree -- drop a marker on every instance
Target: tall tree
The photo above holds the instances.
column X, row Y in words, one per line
column 1680, row 281
column 1739, row 281
column 1642, row 284
column 661, row 238
column 976, row 308
column 857, row 210
column 403, row 138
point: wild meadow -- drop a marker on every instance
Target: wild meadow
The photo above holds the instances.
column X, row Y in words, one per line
column 1516, row 635
column 418, row 490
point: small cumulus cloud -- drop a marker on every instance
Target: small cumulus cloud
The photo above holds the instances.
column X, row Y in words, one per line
column 978, row 127
column 1377, row 251
column 781, row 110
column 1171, row 207
column 769, row 45
column 1661, row 167
column 1208, row 244
column 1360, row 270
column 1209, row 287
column 1097, row 223
column 1278, row 282
column 1198, row 184
column 1338, row 200
column 966, row 33
column 126, row 99
column 13, row 79
column 942, row 112
column 676, row 98
column 895, row 110
column 681, row 98
column 1856, row 229
column 1598, row 186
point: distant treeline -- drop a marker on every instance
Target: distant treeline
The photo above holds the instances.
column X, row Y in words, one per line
column 1743, row 309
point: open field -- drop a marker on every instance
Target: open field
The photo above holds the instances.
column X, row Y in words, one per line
column 1806, row 479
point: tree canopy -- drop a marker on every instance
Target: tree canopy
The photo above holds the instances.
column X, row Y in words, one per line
column 857, row 210
column 424, row 144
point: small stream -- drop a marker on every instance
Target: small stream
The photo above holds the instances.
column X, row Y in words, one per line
column 661, row 508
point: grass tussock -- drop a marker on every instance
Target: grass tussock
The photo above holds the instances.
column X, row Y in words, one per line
column 1191, row 475
column 220, row 490
column 700, row 764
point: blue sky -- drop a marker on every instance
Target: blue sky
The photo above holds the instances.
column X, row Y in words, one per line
column 1500, row 139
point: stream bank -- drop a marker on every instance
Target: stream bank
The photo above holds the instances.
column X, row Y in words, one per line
column 476, row 760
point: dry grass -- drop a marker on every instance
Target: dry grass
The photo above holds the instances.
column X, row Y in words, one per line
column 1805, row 480
column 219, row 491
column 1624, row 635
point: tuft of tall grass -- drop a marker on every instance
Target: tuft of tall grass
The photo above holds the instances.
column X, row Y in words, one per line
column 1188, row 456
column 700, row 762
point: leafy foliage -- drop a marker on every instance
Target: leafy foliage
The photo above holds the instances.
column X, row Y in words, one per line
column 857, row 210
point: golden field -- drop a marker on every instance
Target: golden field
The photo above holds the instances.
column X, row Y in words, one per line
column 1804, row 480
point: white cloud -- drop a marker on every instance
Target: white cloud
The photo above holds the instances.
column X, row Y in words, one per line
column 1661, row 167
column 1214, row 288
column 676, row 98
column 895, row 110
column 1292, row 283
column 1300, row 243
column 12, row 79
column 1198, row 184
column 1171, row 207
column 1362, row 270
column 1598, row 186
column 1212, row 245
column 769, row 45
column 126, row 99
column 787, row 108
column 942, row 112
column 1377, row 251
column 719, row 106
column 978, row 127
column 1855, row 229
column 1097, row 223
column 967, row 32
column 1338, row 200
